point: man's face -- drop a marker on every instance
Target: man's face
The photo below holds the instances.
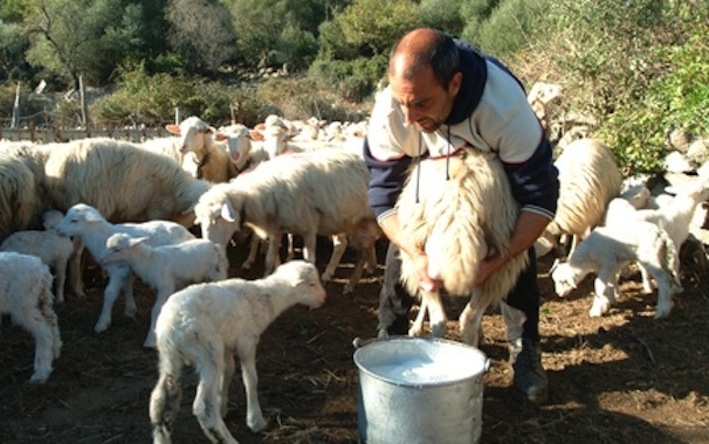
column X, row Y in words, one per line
column 424, row 102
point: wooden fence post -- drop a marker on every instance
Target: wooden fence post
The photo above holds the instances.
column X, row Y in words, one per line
column 85, row 119
column 16, row 109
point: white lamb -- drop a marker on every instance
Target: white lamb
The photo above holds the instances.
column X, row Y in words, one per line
column 94, row 230
column 588, row 179
column 54, row 250
column 166, row 268
column 26, row 295
column 458, row 223
column 607, row 250
column 205, row 325
column 303, row 194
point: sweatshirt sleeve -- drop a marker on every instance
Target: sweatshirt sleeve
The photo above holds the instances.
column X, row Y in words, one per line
column 386, row 181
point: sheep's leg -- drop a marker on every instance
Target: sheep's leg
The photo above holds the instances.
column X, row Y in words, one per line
column 207, row 400
column 370, row 255
column 436, row 314
column 247, row 355
column 160, row 299
column 59, row 281
column 339, row 245
column 309, row 247
column 470, row 321
column 229, row 369
column 273, row 258
column 75, row 270
column 417, row 326
column 290, row 254
column 514, row 320
column 356, row 273
column 165, row 398
column 253, row 251
column 646, row 279
column 116, row 280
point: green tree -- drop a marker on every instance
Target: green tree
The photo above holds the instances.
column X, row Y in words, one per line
column 70, row 38
column 444, row 15
column 13, row 44
column 201, row 31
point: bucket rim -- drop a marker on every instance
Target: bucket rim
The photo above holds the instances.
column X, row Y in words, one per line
column 403, row 338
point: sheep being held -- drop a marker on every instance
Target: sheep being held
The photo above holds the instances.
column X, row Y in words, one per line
column 26, row 294
column 459, row 221
column 204, row 325
column 166, row 268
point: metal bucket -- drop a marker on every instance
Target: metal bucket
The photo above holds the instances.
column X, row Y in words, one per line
column 419, row 390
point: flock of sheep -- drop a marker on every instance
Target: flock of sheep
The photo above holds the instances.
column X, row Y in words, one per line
column 130, row 205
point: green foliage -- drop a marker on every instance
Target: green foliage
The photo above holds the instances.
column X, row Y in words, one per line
column 475, row 12
column 12, row 11
column 12, row 47
column 511, row 26
column 444, row 15
column 376, row 25
column 295, row 48
column 354, row 80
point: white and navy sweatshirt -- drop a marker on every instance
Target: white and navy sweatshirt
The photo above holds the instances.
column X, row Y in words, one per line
column 490, row 113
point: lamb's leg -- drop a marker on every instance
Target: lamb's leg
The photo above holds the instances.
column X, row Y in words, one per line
column 253, row 251
column 646, row 279
column 605, row 289
column 116, row 280
column 470, row 321
column 35, row 320
column 664, row 289
column 160, row 299
column 59, row 281
column 130, row 308
column 339, row 245
column 514, row 321
column 75, row 270
column 165, row 398
column 254, row 416
column 229, row 369
column 207, row 404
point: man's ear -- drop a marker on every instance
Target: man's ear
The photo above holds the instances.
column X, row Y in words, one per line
column 454, row 84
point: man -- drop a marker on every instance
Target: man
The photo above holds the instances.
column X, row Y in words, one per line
column 442, row 95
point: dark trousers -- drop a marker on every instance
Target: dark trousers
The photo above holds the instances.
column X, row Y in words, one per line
column 395, row 302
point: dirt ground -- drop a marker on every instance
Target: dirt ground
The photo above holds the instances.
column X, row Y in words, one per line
column 623, row 378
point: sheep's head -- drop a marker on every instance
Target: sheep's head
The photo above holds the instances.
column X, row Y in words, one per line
column 217, row 216
column 116, row 246
column 77, row 218
column 304, row 282
column 194, row 132
column 565, row 278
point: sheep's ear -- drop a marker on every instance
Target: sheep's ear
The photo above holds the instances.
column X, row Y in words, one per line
column 256, row 135
column 173, row 129
column 228, row 212
column 220, row 136
column 93, row 215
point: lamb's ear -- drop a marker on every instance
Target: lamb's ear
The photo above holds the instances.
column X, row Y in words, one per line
column 220, row 136
column 256, row 135
column 173, row 129
column 137, row 240
column 229, row 214
column 93, row 215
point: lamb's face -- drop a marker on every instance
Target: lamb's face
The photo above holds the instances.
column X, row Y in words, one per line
column 565, row 279
column 305, row 281
column 75, row 221
column 115, row 246
column 217, row 220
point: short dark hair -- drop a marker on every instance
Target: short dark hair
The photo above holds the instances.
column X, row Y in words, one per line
column 441, row 54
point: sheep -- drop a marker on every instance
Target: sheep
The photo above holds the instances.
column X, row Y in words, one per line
column 18, row 195
column 122, row 181
column 211, row 162
column 302, row 193
column 25, row 294
column 588, row 179
column 54, row 250
column 458, row 222
column 607, row 250
column 87, row 223
column 204, row 325
column 166, row 268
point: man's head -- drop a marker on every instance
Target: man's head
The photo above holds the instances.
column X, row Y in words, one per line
column 424, row 77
